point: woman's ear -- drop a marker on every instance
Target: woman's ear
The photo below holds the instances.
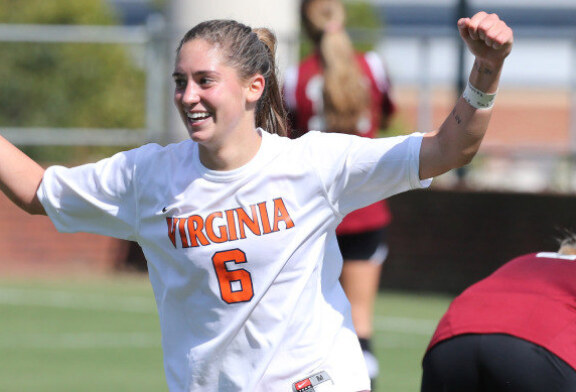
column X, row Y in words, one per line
column 255, row 88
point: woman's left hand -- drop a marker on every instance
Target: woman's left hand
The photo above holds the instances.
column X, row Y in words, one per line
column 488, row 37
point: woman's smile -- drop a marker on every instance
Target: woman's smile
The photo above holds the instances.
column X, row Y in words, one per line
column 197, row 117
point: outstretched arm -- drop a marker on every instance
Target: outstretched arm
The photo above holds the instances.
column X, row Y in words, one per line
column 458, row 139
column 20, row 178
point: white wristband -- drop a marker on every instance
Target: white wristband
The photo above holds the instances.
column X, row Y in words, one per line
column 477, row 98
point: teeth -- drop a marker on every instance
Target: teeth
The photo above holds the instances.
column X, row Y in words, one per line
column 197, row 115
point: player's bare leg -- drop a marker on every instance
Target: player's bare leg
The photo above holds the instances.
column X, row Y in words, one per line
column 360, row 280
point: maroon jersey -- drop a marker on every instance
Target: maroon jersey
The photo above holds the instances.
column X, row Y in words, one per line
column 532, row 297
column 303, row 96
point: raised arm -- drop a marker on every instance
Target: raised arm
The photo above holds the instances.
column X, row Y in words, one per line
column 458, row 139
column 20, row 178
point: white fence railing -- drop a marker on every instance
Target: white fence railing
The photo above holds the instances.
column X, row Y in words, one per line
column 418, row 46
column 149, row 36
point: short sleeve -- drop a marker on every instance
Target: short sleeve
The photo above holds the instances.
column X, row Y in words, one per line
column 96, row 198
column 358, row 171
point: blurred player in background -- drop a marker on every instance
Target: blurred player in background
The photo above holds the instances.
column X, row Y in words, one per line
column 513, row 331
column 336, row 89
column 238, row 223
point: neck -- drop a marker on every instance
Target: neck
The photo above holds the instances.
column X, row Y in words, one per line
column 232, row 155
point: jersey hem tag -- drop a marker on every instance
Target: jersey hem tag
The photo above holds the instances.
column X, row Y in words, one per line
column 312, row 383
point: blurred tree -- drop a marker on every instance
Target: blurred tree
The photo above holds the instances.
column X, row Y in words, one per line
column 159, row 4
column 360, row 16
column 67, row 85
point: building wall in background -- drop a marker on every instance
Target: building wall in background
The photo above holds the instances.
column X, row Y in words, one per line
column 31, row 245
column 444, row 241
column 440, row 241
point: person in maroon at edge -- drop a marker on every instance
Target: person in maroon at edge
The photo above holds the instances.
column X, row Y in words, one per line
column 513, row 331
column 339, row 90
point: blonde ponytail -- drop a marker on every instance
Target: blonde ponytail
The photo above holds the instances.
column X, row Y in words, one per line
column 568, row 244
column 345, row 91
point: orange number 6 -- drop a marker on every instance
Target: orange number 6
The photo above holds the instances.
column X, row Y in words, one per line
column 235, row 285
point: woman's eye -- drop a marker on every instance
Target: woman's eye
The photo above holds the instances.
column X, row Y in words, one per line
column 204, row 81
column 180, row 83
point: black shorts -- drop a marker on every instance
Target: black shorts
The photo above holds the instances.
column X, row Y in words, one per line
column 368, row 245
column 494, row 363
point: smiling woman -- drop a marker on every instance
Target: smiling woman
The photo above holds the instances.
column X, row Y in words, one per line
column 223, row 86
column 238, row 223
column 212, row 101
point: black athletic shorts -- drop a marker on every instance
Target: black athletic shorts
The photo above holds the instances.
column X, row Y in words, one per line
column 368, row 245
column 494, row 363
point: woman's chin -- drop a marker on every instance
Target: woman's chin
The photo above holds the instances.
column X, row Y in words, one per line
column 197, row 135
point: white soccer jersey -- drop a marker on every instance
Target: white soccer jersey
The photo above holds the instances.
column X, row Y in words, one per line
column 244, row 263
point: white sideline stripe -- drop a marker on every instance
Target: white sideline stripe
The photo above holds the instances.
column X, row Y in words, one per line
column 69, row 300
column 80, row 340
column 405, row 325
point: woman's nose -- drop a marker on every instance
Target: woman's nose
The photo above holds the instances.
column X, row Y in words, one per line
column 191, row 94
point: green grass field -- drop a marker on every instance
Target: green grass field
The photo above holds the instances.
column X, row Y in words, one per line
column 103, row 335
